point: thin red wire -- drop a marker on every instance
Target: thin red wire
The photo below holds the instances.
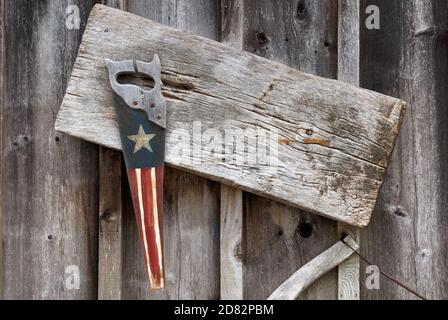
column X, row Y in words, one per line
column 385, row 274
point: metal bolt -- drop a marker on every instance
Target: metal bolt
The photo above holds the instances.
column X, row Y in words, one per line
column 309, row 132
column 159, row 116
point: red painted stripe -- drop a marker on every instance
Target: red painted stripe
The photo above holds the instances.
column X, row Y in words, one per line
column 148, row 204
column 147, row 196
column 155, row 273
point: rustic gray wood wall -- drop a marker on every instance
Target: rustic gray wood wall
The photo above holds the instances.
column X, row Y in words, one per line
column 49, row 186
column 408, row 58
column 56, row 204
column 279, row 239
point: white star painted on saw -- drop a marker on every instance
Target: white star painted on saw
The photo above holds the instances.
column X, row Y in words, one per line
column 141, row 140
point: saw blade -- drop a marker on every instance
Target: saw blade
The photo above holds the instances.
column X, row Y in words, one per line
column 141, row 122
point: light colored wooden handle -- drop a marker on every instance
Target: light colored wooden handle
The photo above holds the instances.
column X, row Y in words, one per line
column 314, row 269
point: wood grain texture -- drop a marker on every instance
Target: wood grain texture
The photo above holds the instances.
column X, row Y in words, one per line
column 281, row 238
column 407, row 58
column 110, row 236
column 334, row 140
column 49, row 198
column 2, row 92
column 305, row 276
column 231, row 237
column 110, row 225
column 191, row 204
column 278, row 241
column 231, row 223
column 349, row 20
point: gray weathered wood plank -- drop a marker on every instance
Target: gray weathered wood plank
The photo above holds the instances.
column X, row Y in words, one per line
column 334, row 140
column 2, row 93
column 110, row 237
column 231, row 237
column 191, row 205
column 349, row 24
column 407, row 58
column 278, row 241
column 49, row 180
column 277, row 237
column 231, row 223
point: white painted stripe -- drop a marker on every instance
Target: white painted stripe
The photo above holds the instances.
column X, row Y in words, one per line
column 156, row 220
column 138, row 173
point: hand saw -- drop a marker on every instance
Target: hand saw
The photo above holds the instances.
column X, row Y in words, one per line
column 141, row 117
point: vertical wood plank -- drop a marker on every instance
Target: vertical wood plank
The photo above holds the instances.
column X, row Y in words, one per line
column 232, row 23
column 110, row 225
column 348, row 270
column 280, row 239
column 191, row 218
column 348, row 71
column 408, row 58
column 231, row 243
column 110, row 233
column 2, row 93
column 231, row 223
column 49, row 181
column 349, row 25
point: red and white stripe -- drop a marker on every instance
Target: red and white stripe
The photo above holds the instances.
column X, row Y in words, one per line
column 147, row 194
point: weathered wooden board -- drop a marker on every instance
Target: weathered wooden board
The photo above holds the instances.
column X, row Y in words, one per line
column 48, row 191
column 303, row 35
column 231, row 223
column 349, row 26
column 408, row 58
column 110, row 226
column 110, row 233
column 333, row 140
